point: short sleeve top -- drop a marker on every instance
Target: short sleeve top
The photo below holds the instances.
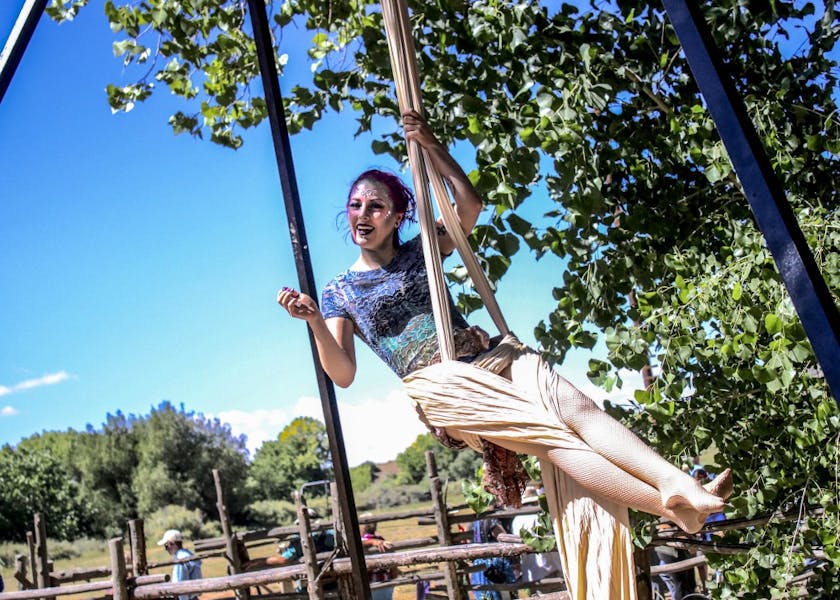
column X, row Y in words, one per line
column 391, row 308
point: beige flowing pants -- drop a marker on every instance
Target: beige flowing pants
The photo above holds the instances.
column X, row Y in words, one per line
column 523, row 414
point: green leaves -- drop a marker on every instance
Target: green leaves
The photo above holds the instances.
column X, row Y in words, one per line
column 590, row 118
column 477, row 498
column 300, row 454
column 33, row 482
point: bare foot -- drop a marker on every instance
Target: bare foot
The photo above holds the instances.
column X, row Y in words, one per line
column 687, row 518
column 691, row 504
column 721, row 486
column 694, row 496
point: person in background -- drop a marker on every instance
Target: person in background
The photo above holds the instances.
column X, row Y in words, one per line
column 703, row 476
column 495, row 569
column 323, row 541
column 173, row 542
column 372, row 541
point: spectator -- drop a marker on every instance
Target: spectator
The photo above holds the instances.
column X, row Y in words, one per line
column 702, row 476
column 323, row 541
column 370, row 540
column 496, row 569
column 173, row 542
column 679, row 583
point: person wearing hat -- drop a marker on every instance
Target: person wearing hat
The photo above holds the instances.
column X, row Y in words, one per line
column 173, row 542
column 371, row 541
column 323, row 541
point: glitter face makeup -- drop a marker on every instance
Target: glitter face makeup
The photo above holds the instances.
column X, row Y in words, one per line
column 370, row 215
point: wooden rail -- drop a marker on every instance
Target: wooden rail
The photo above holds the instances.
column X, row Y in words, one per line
column 445, row 548
column 339, row 566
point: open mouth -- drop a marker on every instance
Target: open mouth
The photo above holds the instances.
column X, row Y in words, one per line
column 363, row 230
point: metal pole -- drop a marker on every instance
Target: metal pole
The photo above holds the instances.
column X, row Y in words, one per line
column 12, row 53
column 300, row 248
column 805, row 284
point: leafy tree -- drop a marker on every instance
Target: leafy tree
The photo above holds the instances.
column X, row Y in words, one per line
column 133, row 466
column 361, row 476
column 595, row 106
column 107, row 461
column 451, row 463
column 177, row 452
column 32, row 482
column 102, row 462
column 300, row 454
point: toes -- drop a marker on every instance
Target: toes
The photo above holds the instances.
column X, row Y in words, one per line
column 721, row 486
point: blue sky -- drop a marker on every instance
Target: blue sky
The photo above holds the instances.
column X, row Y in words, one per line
column 138, row 266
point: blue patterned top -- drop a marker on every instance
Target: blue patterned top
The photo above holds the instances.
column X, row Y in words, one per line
column 391, row 308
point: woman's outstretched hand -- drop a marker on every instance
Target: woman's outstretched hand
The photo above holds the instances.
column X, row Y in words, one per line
column 298, row 305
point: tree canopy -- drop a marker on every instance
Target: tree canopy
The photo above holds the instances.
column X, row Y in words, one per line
column 300, row 454
column 36, row 482
column 92, row 482
column 452, row 464
column 593, row 105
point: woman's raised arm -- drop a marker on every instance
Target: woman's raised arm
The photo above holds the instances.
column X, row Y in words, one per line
column 468, row 203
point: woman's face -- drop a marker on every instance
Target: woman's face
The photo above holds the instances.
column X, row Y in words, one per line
column 371, row 216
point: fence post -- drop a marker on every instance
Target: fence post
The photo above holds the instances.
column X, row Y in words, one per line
column 450, row 574
column 20, row 572
column 137, row 541
column 41, row 573
column 118, row 574
column 33, row 563
column 313, row 586
column 232, row 549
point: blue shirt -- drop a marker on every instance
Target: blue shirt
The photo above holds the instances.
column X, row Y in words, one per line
column 391, row 308
column 324, row 541
column 186, row 571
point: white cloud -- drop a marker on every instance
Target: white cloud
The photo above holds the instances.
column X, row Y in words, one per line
column 375, row 429
column 379, row 429
column 258, row 425
column 8, row 411
column 50, row 379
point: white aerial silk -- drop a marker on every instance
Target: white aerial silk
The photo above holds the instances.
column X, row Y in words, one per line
column 523, row 415
column 473, row 401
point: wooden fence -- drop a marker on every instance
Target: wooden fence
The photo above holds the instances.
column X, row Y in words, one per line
column 443, row 560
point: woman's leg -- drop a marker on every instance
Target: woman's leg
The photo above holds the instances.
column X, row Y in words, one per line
column 607, row 480
column 622, row 447
column 614, row 442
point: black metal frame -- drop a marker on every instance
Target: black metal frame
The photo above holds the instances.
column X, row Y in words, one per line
column 300, row 248
column 775, row 218
column 12, row 53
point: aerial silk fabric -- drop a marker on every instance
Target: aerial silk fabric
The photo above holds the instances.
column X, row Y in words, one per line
column 474, row 401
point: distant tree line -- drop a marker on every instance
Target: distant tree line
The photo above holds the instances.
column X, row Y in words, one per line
column 89, row 483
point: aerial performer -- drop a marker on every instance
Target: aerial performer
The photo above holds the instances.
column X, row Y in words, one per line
column 498, row 397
